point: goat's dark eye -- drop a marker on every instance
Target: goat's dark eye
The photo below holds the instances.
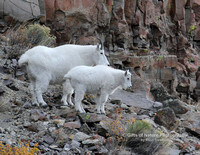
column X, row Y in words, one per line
column 127, row 78
column 101, row 53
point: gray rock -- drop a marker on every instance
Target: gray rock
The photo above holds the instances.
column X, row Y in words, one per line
column 66, row 147
column 51, row 129
column 192, row 123
column 55, row 147
column 73, row 125
column 35, row 115
column 91, row 142
column 48, row 139
column 27, row 124
column 105, row 126
column 13, row 133
column 117, row 102
column 80, row 136
column 1, row 91
column 27, row 105
column 157, row 105
column 68, row 113
column 75, row 144
column 1, row 130
column 161, row 95
column 43, row 148
column 85, row 128
column 59, row 122
column 21, row 10
column 166, row 117
column 8, row 130
column 177, row 105
column 33, row 127
column 124, row 106
column 131, row 99
column 168, row 151
column 92, row 117
column 9, row 141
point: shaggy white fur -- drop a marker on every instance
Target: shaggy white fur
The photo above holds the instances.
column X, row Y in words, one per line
column 49, row 65
column 99, row 80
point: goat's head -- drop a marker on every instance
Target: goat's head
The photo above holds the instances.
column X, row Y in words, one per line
column 100, row 58
column 127, row 80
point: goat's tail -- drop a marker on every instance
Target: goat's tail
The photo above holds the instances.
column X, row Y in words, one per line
column 23, row 60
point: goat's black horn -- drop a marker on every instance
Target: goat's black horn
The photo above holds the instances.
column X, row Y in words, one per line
column 100, row 43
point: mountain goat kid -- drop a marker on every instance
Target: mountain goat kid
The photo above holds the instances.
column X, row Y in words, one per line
column 49, row 65
column 99, row 80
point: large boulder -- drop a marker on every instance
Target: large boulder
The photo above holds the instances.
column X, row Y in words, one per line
column 161, row 95
column 21, row 10
column 166, row 117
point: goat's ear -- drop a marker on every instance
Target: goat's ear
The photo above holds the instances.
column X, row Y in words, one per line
column 126, row 73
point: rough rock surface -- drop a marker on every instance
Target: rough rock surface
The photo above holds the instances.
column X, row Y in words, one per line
column 158, row 39
column 19, row 10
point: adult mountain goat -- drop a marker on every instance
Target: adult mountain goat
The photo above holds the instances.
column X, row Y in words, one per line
column 99, row 80
column 49, row 65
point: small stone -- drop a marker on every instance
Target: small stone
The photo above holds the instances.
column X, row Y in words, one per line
column 31, row 144
column 51, row 129
column 74, row 125
column 71, row 136
column 48, row 139
column 1, row 91
column 157, row 105
column 27, row 105
column 33, row 127
column 43, row 148
column 35, row 115
column 86, row 129
column 8, row 129
column 13, row 133
column 75, row 144
column 91, row 142
column 124, row 106
column 80, row 136
column 27, row 124
column 17, row 123
column 9, row 141
column 66, row 147
column 92, row 117
column 59, row 122
column 103, row 150
column 1, row 130
column 9, row 83
column 118, row 102
column 68, row 113
column 55, row 147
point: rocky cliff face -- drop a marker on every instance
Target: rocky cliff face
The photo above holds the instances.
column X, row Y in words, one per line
column 158, row 39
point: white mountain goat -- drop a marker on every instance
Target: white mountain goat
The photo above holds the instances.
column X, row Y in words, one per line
column 99, row 80
column 49, row 65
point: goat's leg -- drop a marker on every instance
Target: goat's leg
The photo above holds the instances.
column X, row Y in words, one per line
column 67, row 93
column 103, row 99
column 79, row 95
column 69, row 99
column 33, row 93
column 82, row 108
column 98, row 102
column 41, row 86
